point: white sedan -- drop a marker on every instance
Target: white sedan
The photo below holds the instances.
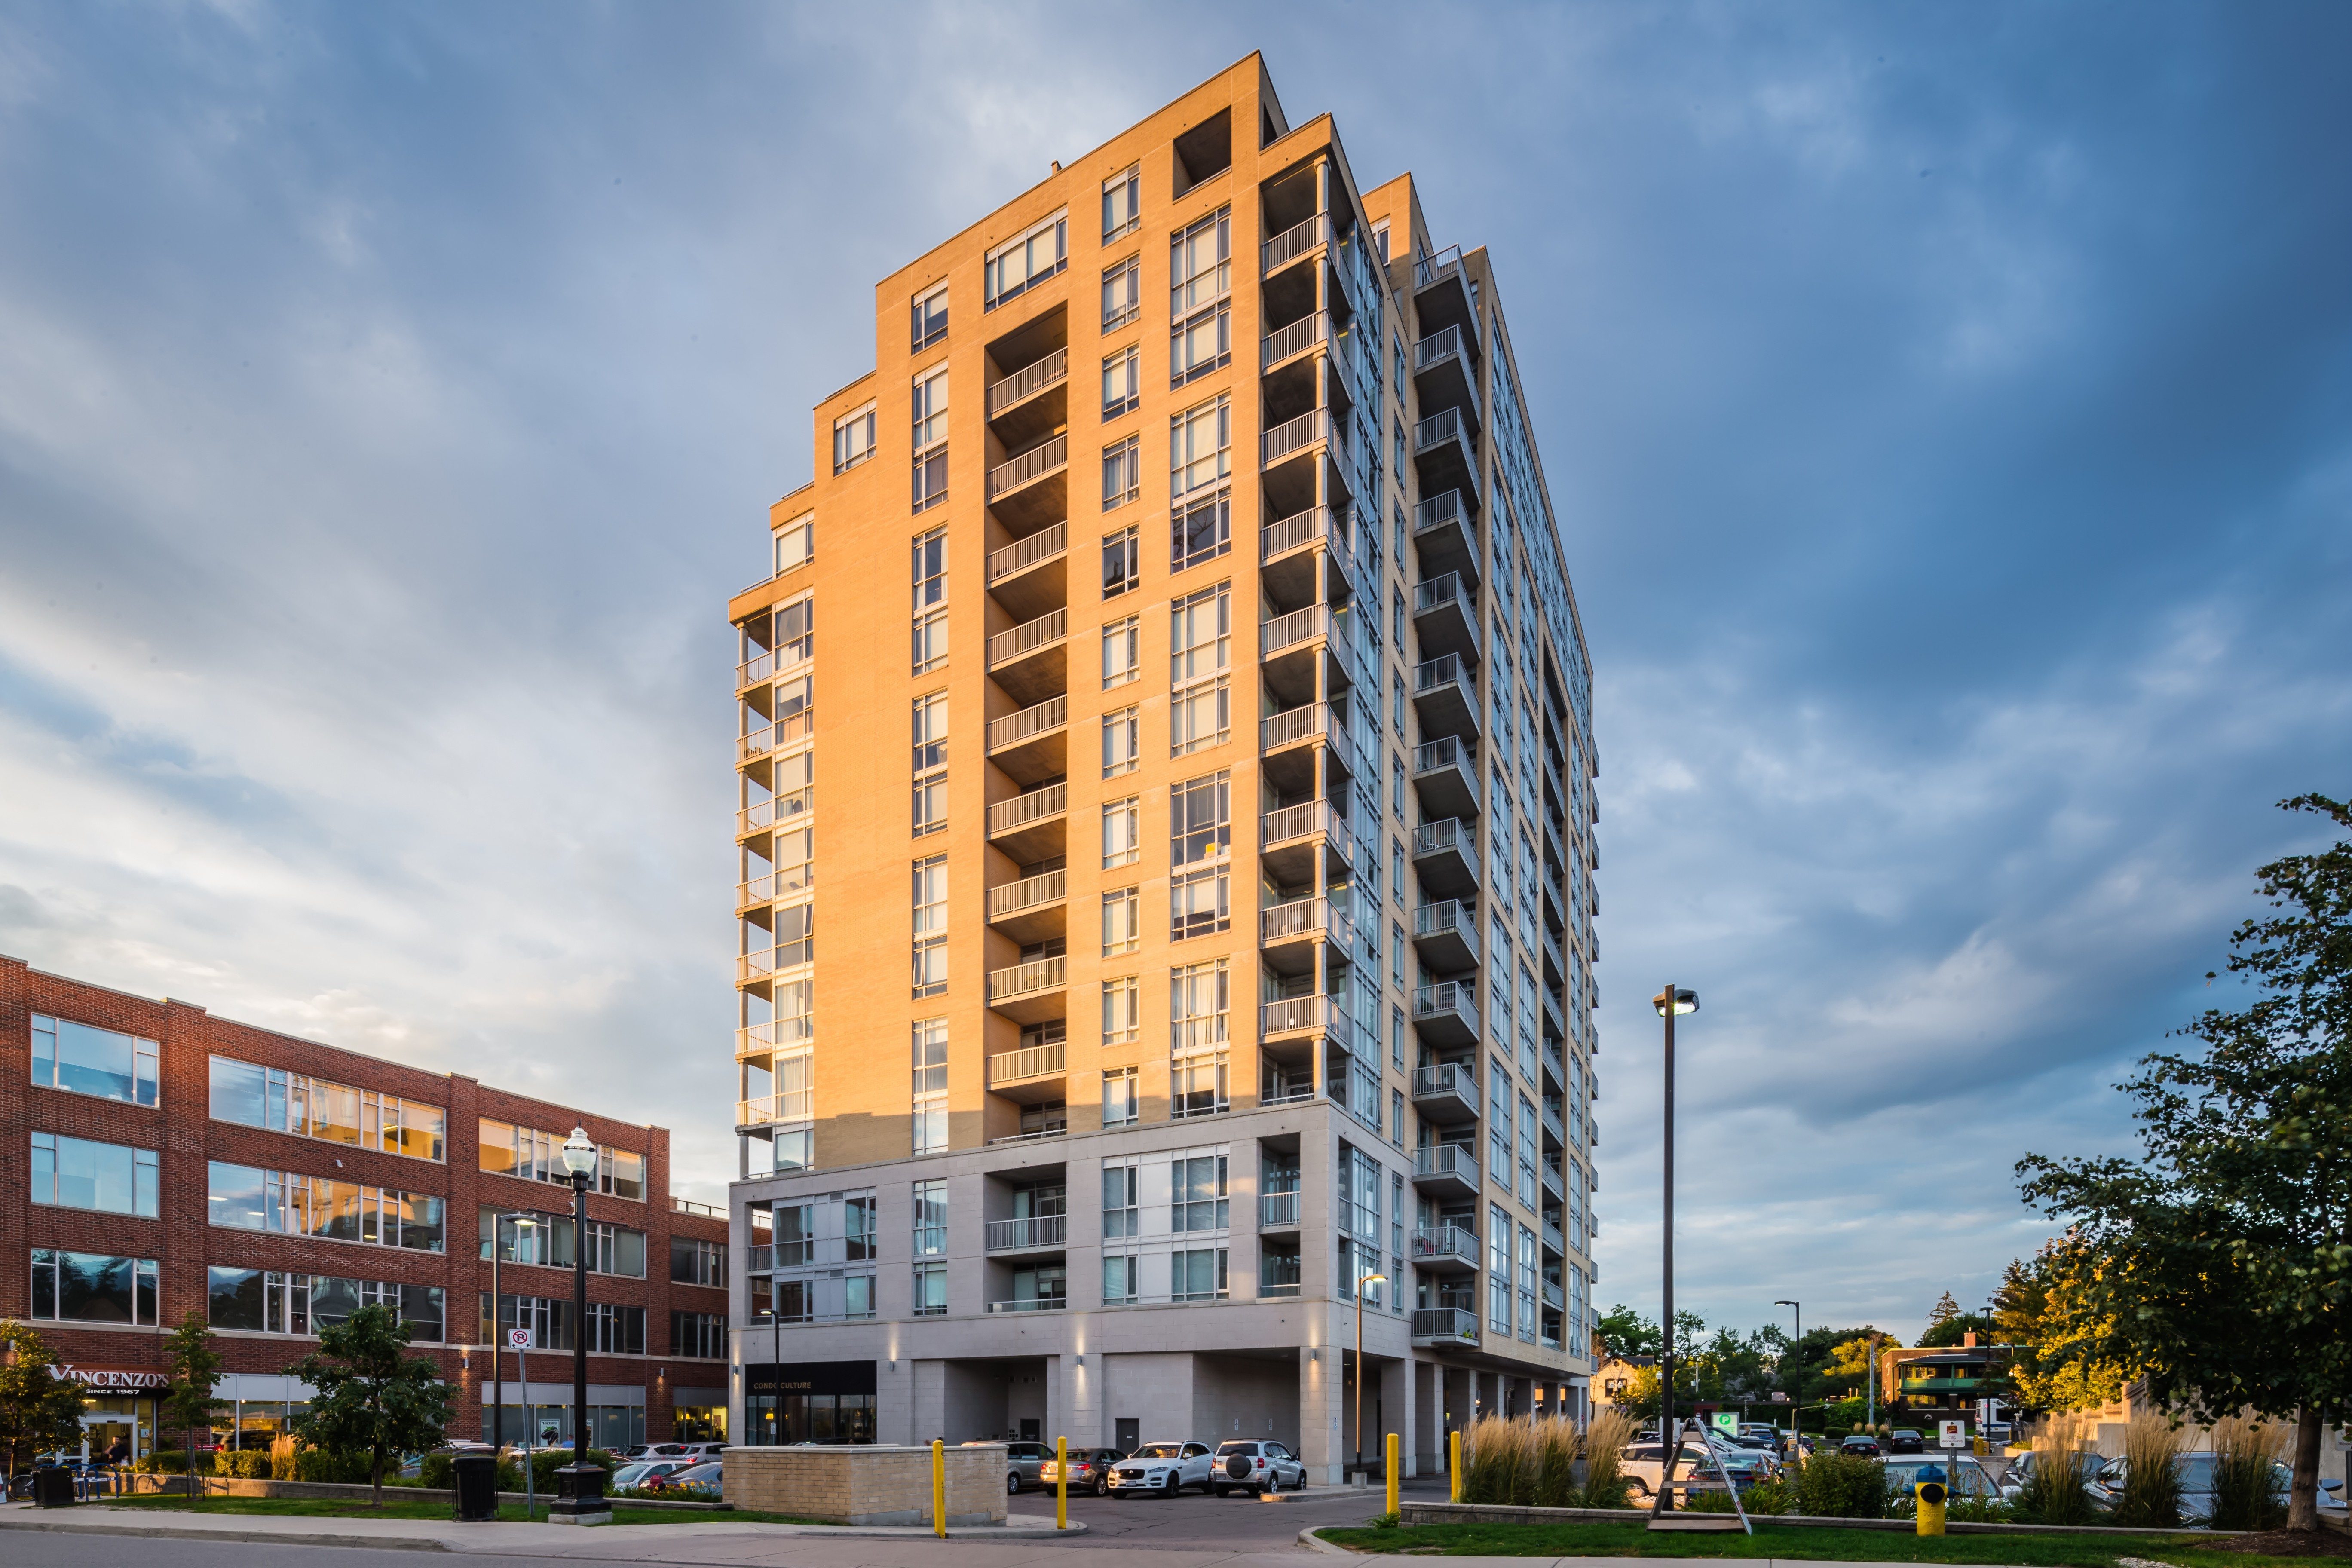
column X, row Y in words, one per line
column 1165, row 1469
column 1256, row 1467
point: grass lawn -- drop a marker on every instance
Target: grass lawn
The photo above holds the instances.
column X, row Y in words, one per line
column 1609, row 1539
column 394, row 1507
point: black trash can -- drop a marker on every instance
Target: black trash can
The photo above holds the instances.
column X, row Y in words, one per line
column 53, row 1487
column 477, row 1486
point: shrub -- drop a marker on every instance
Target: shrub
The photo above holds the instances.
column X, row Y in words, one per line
column 282, row 1457
column 1768, row 1497
column 2053, row 1493
column 2151, row 1491
column 245, row 1464
column 172, row 1462
column 1842, row 1485
column 1604, row 1458
column 545, row 1462
column 319, row 1465
column 2246, row 1475
column 1494, row 1469
column 1709, row 1502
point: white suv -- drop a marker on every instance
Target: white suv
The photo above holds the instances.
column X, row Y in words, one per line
column 1165, row 1468
column 1256, row 1467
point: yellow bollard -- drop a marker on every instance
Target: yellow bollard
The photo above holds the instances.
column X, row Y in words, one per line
column 1931, row 1505
column 1061, row 1483
column 939, row 1489
column 1454, row 1464
column 1393, row 1474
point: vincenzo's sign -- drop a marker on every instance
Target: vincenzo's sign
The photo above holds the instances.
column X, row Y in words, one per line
column 111, row 1379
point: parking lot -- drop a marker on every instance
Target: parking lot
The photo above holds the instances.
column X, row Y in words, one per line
column 1241, row 1522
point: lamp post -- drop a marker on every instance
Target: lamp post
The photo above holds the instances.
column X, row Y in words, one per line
column 523, row 1220
column 1671, row 1003
column 580, row 1486
column 1796, row 1359
column 1362, row 1280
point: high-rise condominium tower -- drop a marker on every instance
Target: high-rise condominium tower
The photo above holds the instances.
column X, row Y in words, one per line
column 1167, row 836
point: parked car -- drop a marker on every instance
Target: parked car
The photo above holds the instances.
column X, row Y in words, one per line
column 1090, row 1470
column 1906, row 1440
column 1256, row 1467
column 1022, row 1464
column 643, row 1473
column 1166, row 1468
column 1962, row 1475
column 2195, row 1470
column 1866, row 1446
column 705, row 1477
column 1645, row 1463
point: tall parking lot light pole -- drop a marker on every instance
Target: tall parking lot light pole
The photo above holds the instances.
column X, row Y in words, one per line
column 1796, row 1359
column 1671, row 1001
column 582, row 1495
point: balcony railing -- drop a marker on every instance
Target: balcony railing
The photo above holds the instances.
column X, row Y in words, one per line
column 1448, row 1079
column 1020, row 1235
column 1292, row 435
column 1296, row 338
column 773, row 885
column 1438, row 1243
column 1051, row 627
column 1031, row 1304
column 1447, row 997
column 1029, row 381
column 1008, row 899
column 1303, row 820
column 1295, row 242
column 1311, row 720
column 1023, row 553
column 1277, row 1211
column 1028, row 1062
column 1553, row 1238
column 1552, row 1182
column 1437, row 345
column 1554, row 1297
column 1435, row 838
column 762, row 1109
column 1300, row 626
column 1028, row 979
column 1293, row 1015
column 1030, row 466
column 1014, row 728
column 775, row 809
column 1302, row 917
column 782, row 732
column 1447, row 919
column 1446, row 670
column 775, row 1035
column 1005, row 815
column 1446, row 1323
column 1446, row 1160
column 1445, row 424
column 1288, row 534
column 1440, row 509
column 753, row 671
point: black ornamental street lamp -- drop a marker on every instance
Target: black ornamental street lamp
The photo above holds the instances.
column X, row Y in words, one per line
column 580, row 1486
column 1671, row 1003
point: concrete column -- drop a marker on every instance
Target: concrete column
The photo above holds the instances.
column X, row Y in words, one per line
column 929, row 1381
column 1425, row 1445
column 1078, row 1400
column 893, row 1401
column 1318, row 1415
column 1397, row 1396
column 1057, row 1418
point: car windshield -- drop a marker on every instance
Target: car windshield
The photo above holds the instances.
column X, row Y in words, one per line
column 1160, row 1451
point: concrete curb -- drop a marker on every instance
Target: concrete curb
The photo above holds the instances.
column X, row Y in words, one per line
column 1016, row 1527
column 1507, row 1514
column 1314, row 1542
column 264, row 1537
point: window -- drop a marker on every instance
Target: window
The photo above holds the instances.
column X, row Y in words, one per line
column 1200, row 264
column 1123, row 204
column 536, row 1155
column 1122, row 1278
column 693, row 1262
column 931, row 1206
column 1201, row 530
column 1121, row 734
column 930, row 434
column 247, row 1197
column 1200, row 717
column 1122, row 838
column 931, row 899
column 1121, row 564
column 1199, row 902
column 701, row 1336
column 796, row 543
column 617, row 1331
column 255, row 1096
column 930, row 317
column 857, row 1229
column 616, row 1249
column 1122, row 1107
column 1201, row 818
column 853, row 438
column 1197, row 1085
column 1120, row 1011
column 929, row 572
column 1122, row 382
column 1200, row 636
column 1396, row 1117
column 1398, row 427
column 1122, row 1215
column 1196, row 1193
column 1121, row 921
column 1197, row 1276
column 1122, row 293
column 107, row 1178
column 1200, row 447
column 930, row 764
column 795, row 625
column 1197, row 1006
column 930, row 1294
column 1122, row 472
column 1396, row 952
column 92, row 1288
column 1498, row 1269
column 86, row 1059
column 1022, row 264
column 1202, row 344
column 1396, row 1037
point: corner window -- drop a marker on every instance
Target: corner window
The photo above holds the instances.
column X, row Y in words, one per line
column 1041, row 253
column 84, row 1059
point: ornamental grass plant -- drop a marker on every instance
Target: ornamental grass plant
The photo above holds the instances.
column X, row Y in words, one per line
column 2151, row 1490
column 2054, row 1493
column 1604, row 1460
column 2247, row 1489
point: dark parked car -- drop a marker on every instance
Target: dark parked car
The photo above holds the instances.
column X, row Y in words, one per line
column 1090, row 1470
column 1903, row 1440
column 1866, row 1446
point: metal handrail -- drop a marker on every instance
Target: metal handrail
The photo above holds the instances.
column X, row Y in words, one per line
column 1027, row 637
column 1026, row 979
column 1446, row 996
column 1437, row 591
column 1289, row 822
column 1446, row 752
column 1288, row 534
column 1277, row 1210
column 1029, row 723
column 1052, row 800
column 1301, row 916
column 1451, row 833
column 1033, row 1304
column 1446, row 1323
column 1446, row 1077
column 1023, row 553
column 1553, row 1296
column 1029, row 894
column 1296, row 338
column 1295, row 242
column 1035, row 1230
column 1289, row 1015
column 1029, row 381
column 1440, row 508
column 1445, row 424
column 1434, row 268
column 1445, row 669
column 1553, row 1182
column 1448, row 915
column 765, row 1108
column 1437, row 345
column 769, row 737
column 1444, row 1241
column 1292, row 435
column 1030, row 466
column 1300, row 626
column 1446, row 1160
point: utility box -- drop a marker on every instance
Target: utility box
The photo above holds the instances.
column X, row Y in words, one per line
column 53, row 1487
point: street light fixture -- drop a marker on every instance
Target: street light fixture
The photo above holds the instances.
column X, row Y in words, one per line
column 579, row 1494
column 1671, row 1001
column 1797, row 1358
column 524, row 1220
column 1362, row 1280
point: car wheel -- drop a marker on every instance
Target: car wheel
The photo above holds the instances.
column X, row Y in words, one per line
column 1012, row 1484
column 1173, row 1487
column 1216, row 1491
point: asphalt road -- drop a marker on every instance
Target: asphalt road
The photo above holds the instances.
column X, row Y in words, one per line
column 1194, row 1522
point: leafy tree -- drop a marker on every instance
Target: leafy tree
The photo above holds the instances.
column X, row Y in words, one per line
column 39, row 1410
column 1625, row 1333
column 1956, row 1329
column 370, row 1398
column 195, row 1367
column 1943, row 1311
column 2218, row 1266
column 2056, row 1362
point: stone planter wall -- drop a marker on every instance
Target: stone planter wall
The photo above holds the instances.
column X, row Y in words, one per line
column 866, row 1483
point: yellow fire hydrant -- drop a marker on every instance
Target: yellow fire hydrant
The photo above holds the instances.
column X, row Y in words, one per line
column 1931, row 1495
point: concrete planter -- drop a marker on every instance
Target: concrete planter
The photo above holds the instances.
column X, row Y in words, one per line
column 866, row 1483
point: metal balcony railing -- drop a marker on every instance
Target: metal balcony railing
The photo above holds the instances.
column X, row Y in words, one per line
column 1028, row 1062
column 1440, row 509
column 1008, row 899
column 1447, row 997
column 1444, row 590
column 1021, row 810
column 1300, row 626
column 1446, row 1160
column 1446, row 1323
column 1020, row 1235
column 1552, row 1182
column 1446, row 425
column 1295, row 242
column 1029, row 466
column 1290, row 532
column 1429, row 270
column 1051, row 627
column 1292, row 435
column 1311, row 720
column 1303, row 820
column 1296, row 338
column 1031, row 1304
column 1293, row 1015
column 1302, row 917
column 761, row 1109
column 1277, row 1211
column 1433, row 837
column 1437, row 345
column 776, row 809
column 1434, row 1244
column 782, row 732
column 1446, row 1079
column 1446, row 670
column 1023, row 553
column 1028, row 979
column 1553, row 1296
column 1447, row 918
column 1029, row 381
column 1014, row 728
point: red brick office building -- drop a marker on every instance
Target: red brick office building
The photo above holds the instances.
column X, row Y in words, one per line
column 162, row 1161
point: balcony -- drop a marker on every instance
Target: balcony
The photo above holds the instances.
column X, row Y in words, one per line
column 1289, row 840
column 1555, row 1020
column 1288, row 742
column 1033, row 489
column 1034, row 825
column 1301, row 336
column 1037, row 1233
column 1292, row 436
column 1277, row 1211
column 1552, row 1240
column 1030, row 993
column 773, row 737
column 1031, row 575
column 1445, row 776
column 1294, row 1016
column 1031, row 745
column 1445, row 372
column 767, row 1109
column 1554, row 1297
column 1445, row 1326
column 1295, row 649
column 1445, row 857
column 1445, row 695
column 1554, row 1128
column 1445, row 538
column 1029, row 381
column 1031, row 661
column 1445, row 1250
column 776, row 811
column 1444, row 619
column 1445, row 1170
column 767, row 887
column 1553, row 1183
column 1441, row 293
column 1446, row 936
column 1555, row 1069
column 1447, row 1093
column 1446, row 1014
column 1032, row 908
column 775, row 1035
column 1446, row 453
column 1031, row 1304
column 1287, row 933
column 1294, row 242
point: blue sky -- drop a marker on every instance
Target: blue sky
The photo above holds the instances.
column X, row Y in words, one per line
column 1948, row 409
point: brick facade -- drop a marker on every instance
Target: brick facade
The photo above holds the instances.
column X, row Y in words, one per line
column 181, row 1129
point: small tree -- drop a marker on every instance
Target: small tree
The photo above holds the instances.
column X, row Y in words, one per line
column 369, row 1397
column 39, row 1410
column 195, row 1368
